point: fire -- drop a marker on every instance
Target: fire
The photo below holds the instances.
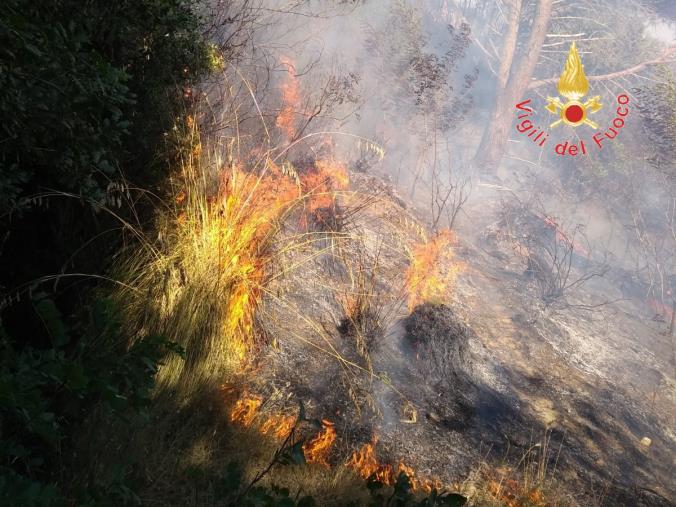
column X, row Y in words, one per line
column 512, row 494
column 279, row 426
column 245, row 410
column 317, row 449
column 433, row 270
column 364, row 462
column 291, row 98
column 241, row 218
column 321, row 183
column 335, row 171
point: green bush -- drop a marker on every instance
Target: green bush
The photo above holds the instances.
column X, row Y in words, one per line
column 87, row 88
column 47, row 394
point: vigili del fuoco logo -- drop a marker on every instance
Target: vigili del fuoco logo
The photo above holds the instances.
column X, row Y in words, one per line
column 575, row 111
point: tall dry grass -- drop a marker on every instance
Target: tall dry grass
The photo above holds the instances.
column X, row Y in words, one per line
column 198, row 284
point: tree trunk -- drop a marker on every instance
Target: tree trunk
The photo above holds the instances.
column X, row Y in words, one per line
column 495, row 135
column 509, row 44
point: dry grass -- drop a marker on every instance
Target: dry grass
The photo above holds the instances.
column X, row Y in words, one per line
column 200, row 282
column 531, row 482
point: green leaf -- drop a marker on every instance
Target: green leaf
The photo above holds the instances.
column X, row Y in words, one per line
column 51, row 318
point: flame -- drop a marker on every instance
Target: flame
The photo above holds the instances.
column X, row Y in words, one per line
column 433, row 270
column 242, row 216
column 245, row 410
column 573, row 83
column 317, row 449
column 291, row 98
column 336, row 171
column 279, row 426
column 321, row 183
column 512, row 494
column 365, row 463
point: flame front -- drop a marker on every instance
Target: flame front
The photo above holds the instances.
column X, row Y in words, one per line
column 316, row 450
column 278, row 426
column 573, row 83
column 364, row 462
column 321, row 183
column 433, row 270
column 245, row 410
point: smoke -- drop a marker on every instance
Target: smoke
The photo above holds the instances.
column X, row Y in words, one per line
column 414, row 83
column 403, row 91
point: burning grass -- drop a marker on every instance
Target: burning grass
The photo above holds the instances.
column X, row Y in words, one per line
column 365, row 463
column 318, row 448
column 200, row 283
column 433, row 270
column 531, row 483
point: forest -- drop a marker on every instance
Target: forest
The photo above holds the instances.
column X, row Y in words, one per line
column 338, row 252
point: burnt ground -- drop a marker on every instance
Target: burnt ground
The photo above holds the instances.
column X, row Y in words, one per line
column 479, row 377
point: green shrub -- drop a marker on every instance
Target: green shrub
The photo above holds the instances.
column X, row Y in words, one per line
column 86, row 89
column 47, row 394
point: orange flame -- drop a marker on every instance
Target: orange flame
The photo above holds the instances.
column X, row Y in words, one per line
column 317, row 449
column 512, row 494
column 291, row 98
column 245, row 410
column 433, row 270
column 321, row 184
column 279, row 426
column 242, row 215
column 365, row 463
